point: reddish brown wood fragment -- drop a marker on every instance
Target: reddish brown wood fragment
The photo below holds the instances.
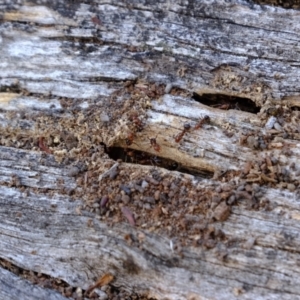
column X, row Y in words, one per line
column 96, row 20
column 104, row 201
column 42, row 145
column 103, row 280
column 129, row 215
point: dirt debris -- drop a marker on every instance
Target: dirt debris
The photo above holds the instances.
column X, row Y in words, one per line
column 146, row 190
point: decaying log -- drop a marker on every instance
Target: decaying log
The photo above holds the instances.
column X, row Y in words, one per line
column 102, row 124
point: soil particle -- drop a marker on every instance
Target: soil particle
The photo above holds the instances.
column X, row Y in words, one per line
column 222, row 212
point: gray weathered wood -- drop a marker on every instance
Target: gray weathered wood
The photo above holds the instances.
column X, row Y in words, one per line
column 65, row 69
column 49, row 234
column 13, row 287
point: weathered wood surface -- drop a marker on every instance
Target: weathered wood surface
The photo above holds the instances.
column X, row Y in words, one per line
column 46, row 234
column 12, row 287
column 62, row 62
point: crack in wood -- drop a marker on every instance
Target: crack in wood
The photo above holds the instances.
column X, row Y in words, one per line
column 226, row 102
column 144, row 158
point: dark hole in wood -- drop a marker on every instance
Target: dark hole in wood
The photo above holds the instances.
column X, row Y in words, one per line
column 41, row 279
column 227, row 102
column 49, row 282
column 14, row 88
column 291, row 4
column 144, row 158
column 295, row 108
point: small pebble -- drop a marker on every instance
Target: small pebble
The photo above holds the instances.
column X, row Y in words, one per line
column 125, row 189
column 79, row 292
column 227, row 187
column 222, row 212
column 138, row 188
column 145, row 184
column 240, row 188
column 270, row 123
column 248, row 188
column 157, row 195
column 73, row 171
column 278, row 139
column 262, row 145
column 218, row 189
column 104, row 117
column 215, row 200
column 152, row 180
column 114, row 173
column 171, row 194
column 291, row 187
column 118, row 198
column 125, row 199
column 102, row 295
column 174, row 187
column 231, row 200
column 166, row 183
column 168, row 88
column 252, row 142
column 149, row 200
column 68, row 291
column 285, row 135
column 277, row 126
column 147, row 206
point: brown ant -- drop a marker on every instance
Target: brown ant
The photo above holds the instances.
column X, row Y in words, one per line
column 145, row 159
column 178, row 137
column 130, row 154
column 137, row 122
column 142, row 158
column 130, row 138
column 204, row 120
column 154, row 144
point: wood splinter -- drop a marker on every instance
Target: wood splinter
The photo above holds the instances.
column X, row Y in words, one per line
column 43, row 147
column 103, row 280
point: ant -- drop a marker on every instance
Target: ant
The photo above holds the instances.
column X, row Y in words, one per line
column 154, row 144
column 204, row 120
column 130, row 154
column 137, row 122
column 129, row 139
column 145, row 159
column 142, row 158
column 178, row 137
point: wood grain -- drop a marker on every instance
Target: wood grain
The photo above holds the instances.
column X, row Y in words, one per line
column 73, row 73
